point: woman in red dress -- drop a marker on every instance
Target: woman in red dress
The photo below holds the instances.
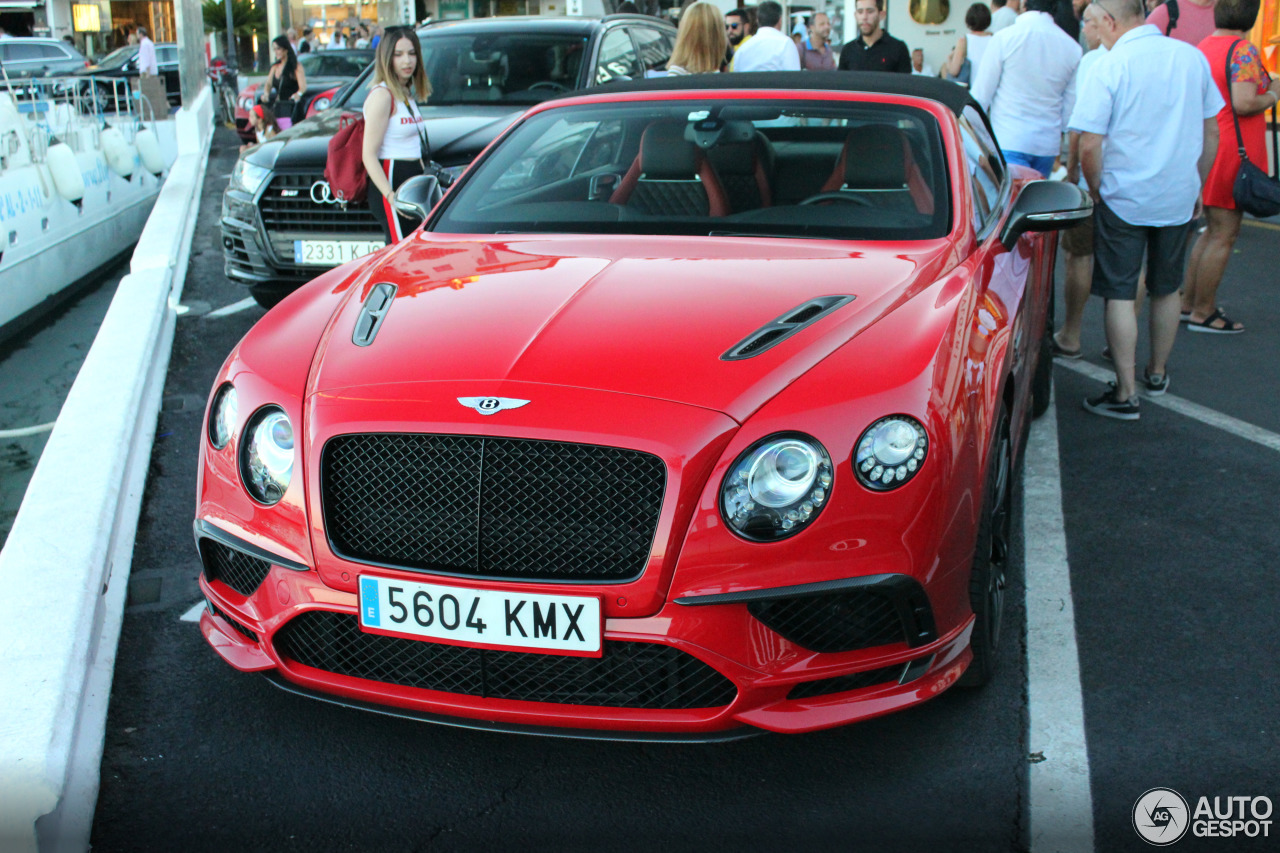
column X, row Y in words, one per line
column 1252, row 91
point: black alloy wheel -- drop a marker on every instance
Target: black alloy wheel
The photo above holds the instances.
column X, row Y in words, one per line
column 991, row 558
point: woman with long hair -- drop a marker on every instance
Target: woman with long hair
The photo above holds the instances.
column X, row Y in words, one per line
column 395, row 142
column 1251, row 90
column 287, row 79
column 701, row 43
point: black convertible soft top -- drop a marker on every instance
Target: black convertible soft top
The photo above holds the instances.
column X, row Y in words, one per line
column 951, row 95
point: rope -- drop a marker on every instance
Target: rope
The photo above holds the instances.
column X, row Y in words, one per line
column 31, row 430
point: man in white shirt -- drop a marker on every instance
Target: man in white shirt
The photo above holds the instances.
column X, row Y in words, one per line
column 147, row 66
column 769, row 49
column 1026, row 83
column 918, row 66
column 1145, row 156
column 1076, row 242
column 1003, row 14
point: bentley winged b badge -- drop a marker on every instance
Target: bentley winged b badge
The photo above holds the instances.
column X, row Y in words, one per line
column 491, row 405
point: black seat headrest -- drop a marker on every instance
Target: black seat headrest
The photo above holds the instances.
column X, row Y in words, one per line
column 875, row 159
column 665, row 155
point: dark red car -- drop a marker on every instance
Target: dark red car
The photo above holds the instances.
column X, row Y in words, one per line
column 692, row 411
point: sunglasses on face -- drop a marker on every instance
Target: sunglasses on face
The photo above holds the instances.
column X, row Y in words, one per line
column 732, row 26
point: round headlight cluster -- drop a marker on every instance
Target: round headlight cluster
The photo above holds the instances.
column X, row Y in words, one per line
column 222, row 416
column 776, row 488
column 890, row 452
column 322, row 104
column 266, row 456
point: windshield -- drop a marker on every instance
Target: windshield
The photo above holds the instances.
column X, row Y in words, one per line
column 839, row 170
column 118, row 57
column 518, row 68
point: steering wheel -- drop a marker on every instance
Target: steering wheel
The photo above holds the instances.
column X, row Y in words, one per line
column 548, row 84
column 837, row 196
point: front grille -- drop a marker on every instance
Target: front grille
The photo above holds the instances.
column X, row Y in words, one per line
column 838, row 622
column 840, row 684
column 629, row 675
column 492, row 507
column 234, row 568
column 241, row 629
column 287, row 205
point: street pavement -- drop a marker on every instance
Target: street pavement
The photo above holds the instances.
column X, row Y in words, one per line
column 1171, row 537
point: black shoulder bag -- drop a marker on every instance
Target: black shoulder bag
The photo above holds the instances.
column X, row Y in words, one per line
column 1255, row 191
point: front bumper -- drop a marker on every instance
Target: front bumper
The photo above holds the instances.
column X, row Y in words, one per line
column 690, row 671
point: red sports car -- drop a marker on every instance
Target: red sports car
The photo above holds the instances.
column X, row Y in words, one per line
column 692, row 411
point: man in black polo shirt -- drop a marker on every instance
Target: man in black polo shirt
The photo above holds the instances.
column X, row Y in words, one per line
column 874, row 49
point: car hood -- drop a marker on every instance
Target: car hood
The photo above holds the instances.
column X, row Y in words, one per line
column 456, row 135
column 642, row 316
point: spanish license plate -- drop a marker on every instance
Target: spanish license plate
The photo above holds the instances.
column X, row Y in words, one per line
column 485, row 618
column 332, row 252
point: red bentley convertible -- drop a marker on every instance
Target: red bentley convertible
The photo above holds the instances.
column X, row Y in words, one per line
column 692, row 411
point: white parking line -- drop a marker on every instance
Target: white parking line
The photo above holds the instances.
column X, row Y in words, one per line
column 193, row 615
column 233, row 308
column 1195, row 411
column 1061, row 806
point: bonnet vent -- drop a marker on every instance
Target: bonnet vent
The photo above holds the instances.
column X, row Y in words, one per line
column 375, row 309
column 771, row 334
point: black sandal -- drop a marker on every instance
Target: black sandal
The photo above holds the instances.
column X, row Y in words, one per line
column 1228, row 327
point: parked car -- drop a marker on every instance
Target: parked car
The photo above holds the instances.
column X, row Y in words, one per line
column 325, row 70
column 280, row 227
column 40, row 57
column 693, row 410
column 122, row 63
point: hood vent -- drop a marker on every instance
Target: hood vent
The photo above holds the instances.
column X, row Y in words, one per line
column 771, row 334
column 375, row 309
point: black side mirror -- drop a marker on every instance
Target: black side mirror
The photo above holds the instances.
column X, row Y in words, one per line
column 418, row 195
column 1046, row 206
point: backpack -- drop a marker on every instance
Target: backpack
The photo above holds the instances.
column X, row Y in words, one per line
column 344, row 166
column 1172, row 7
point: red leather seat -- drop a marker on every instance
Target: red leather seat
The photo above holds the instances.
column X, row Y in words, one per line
column 671, row 176
column 876, row 161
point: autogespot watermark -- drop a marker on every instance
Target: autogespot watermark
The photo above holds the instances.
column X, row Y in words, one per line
column 1161, row 816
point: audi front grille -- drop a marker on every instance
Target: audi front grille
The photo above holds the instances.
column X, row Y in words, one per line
column 297, row 202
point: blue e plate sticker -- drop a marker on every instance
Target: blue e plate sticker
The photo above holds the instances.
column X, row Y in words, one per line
column 369, row 601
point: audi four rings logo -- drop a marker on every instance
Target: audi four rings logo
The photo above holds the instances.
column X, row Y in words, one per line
column 321, row 194
column 491, row 405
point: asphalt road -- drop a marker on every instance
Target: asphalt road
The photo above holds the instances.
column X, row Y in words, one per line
column 1171, row 537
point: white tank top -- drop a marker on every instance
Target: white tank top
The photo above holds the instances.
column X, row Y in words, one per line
column 403, row 140
column 975, row 49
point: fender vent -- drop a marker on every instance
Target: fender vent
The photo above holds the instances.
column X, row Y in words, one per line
column 375, row 309
column 771, row 334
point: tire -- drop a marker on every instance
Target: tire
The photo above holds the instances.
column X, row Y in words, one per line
column 1042, row 381
column 228, row 100
column 991, row 558
column 269, row 294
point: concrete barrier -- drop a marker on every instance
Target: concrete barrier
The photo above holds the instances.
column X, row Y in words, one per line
column 65, row 566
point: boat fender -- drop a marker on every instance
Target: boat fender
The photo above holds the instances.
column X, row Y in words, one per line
column 121, row 156
column 64, row 167
column 149, row 151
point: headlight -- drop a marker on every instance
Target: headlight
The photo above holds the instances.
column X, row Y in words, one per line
column 322, row 104
column 222, row 416
column 266, row 455
column 890, row 452
column 776, row 488
column 248, row 177
column 246, row 104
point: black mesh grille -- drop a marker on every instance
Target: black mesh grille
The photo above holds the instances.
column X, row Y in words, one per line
column 287, row 206
column 241, row 629
column 856, row 681
column 835, row 622
column 496, row 507
column 629, row 675
column 234, row 568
